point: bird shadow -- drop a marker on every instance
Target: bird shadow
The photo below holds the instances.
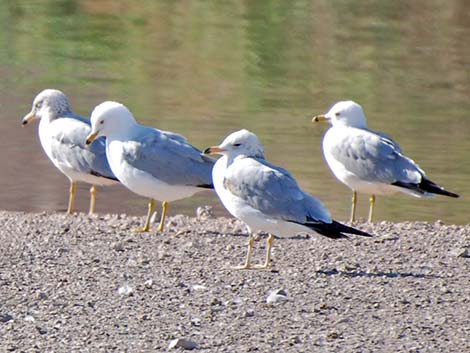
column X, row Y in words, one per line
column 263, row 235
column 239, row 235
column 381, row 274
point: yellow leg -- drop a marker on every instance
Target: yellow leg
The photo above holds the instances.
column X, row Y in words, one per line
column 247, row 265
column 269, row 245
column 353, row 207
column 371, row 209
column 71, row 197
column 146, row 226
column 162, row 218
column 92, row 199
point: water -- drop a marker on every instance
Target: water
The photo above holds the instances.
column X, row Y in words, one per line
column 206, row 68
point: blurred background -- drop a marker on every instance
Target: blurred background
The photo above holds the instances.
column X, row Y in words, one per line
column 207, row 68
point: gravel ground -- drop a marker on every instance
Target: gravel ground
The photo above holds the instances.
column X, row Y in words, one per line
column 89, row 284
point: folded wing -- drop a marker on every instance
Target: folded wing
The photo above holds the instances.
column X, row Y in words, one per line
column 273, row 191
column 169, row 158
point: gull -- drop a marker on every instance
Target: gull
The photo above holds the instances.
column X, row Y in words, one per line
column 370, row 162
column 266, row 197
column 62, row 135
column 157, row 164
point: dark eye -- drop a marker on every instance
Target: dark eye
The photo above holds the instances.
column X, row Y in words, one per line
column 338, row 114
column 237, row 144
column 38, row 105
column 101, row 122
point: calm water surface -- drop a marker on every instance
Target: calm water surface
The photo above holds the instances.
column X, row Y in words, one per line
column 206, row 68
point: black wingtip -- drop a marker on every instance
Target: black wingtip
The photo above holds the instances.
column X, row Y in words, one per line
column 448, row 193
column 343, row 228
column 95, row 173
column 335, row 230
column 426, row 186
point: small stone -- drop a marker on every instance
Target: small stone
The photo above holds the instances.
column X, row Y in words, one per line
column 198, row 287
column 11, row 348
column 182, row 343
column 333, row 335
column 460, row 252
column 204, row 212
column 126, row 290
column 117, row 246
column 41, row 330
column 61, row 251
column 177, row 220
column 276, row 296
column 236, row 301
column 215, row 301
column 249, row 313
column 148, row 283
column 295, row 340
column 29, row 318
column 188, row 245
column 195, row 321
column 5, row 317
column 347, row 267
column 445, row 290
column 153, row 217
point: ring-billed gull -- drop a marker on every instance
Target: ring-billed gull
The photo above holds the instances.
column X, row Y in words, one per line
column 266, row 197
column 62, row 134
column 156, row 164
column 368, row 161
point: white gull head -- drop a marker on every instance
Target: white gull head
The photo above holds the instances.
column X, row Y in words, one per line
column 346, row 113
column 50, row 103
column 111, row 118
column 242, row 142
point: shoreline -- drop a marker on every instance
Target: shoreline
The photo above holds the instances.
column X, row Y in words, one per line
column 80, row 283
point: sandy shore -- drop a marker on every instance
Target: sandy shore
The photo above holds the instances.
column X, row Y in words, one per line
column 89, row 284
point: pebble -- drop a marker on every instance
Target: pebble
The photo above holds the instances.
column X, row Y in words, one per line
column 276, row 296
column 198, row 287
column 153, row 218
column 249, row 313
column 204, row 212
column 126, row 290
column 5, row 317
column 195, row 321
column 182, row 343
column 41, row 330
column 117, row 246
column 460, row 252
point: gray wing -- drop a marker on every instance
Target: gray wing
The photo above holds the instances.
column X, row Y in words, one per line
column 68, row 146
column 173, row 135
column 375, row 157
column 168, row 159
column 387, row 138
column 273, row 191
